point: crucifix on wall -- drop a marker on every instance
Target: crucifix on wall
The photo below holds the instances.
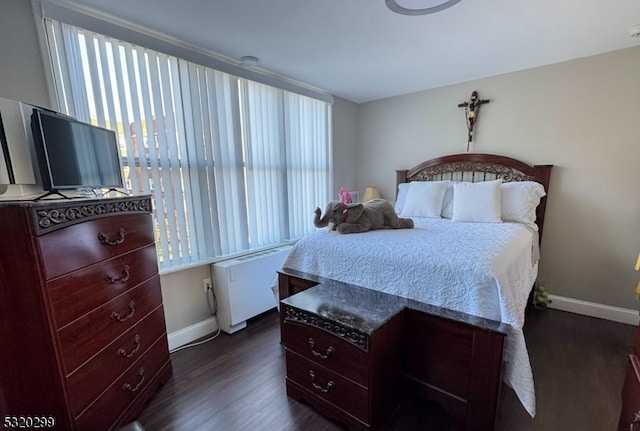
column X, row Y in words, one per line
column 471, row 111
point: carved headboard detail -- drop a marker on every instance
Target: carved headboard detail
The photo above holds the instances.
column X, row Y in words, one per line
column 477, row 171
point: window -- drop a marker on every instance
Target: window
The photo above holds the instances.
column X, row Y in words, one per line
column 233, row 165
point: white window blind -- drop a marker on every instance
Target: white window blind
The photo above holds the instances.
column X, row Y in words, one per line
column 232, row 165
column 263, row 129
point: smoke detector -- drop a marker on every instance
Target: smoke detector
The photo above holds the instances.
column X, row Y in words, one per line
column 249, row 61
column 635, row 31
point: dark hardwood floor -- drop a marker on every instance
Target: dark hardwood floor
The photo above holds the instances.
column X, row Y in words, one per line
column 236, row 382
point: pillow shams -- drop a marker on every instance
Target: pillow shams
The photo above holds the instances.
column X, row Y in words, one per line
column 520, row 200
column 477, row 202
column 424, row 199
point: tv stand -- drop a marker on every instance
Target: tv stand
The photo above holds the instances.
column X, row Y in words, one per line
column 113, row 189
column 56, row 192
column 52, row 192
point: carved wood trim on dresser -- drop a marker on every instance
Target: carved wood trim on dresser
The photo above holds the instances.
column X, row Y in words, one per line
column 83, row 333
column 60, row 215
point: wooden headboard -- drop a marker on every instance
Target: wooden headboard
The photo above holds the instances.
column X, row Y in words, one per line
column 476, row 167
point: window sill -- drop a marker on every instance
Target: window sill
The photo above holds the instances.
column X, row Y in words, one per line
column 204, row 262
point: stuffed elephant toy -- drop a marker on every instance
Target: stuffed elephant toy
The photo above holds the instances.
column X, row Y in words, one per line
column 355, row 218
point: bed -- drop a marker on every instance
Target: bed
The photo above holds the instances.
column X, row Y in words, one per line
column 463, row 259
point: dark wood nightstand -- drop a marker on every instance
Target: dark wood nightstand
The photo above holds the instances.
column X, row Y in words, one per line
column 344, row 359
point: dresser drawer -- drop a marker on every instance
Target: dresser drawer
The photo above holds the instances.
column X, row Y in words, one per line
column 630, row 394
column 327, row 350
column 329, row 386
column 77, row 246
column 84, row 337
column 79, row 292
column 88, row 381
column 102, row 414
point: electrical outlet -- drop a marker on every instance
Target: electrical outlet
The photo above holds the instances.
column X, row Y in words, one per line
column 206, row 284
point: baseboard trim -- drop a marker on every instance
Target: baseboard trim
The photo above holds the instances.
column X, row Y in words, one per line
column 191, row 333
column 592, row 309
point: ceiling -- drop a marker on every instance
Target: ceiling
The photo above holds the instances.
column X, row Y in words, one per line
column 361, row 51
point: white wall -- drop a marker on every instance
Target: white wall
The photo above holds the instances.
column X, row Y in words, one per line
column 22, row 73
column 581, row 116
column 345, row 132
column 185, row 303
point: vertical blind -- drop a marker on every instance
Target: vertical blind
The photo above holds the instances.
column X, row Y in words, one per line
column 233, row 165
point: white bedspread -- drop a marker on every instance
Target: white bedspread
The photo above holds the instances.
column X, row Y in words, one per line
column 484, row 269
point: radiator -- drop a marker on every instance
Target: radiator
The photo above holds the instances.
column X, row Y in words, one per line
column 243, row 286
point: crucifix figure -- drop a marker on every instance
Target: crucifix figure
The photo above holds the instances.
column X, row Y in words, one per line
column 471, row 111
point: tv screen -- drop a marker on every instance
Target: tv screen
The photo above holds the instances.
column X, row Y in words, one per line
column 74, row 155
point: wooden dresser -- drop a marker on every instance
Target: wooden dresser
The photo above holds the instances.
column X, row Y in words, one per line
column 630, row 413
column 83, row 335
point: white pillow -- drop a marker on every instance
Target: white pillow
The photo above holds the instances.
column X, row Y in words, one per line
column 520, row 200
column 403, row 188
column 424, row 199
column 477, row 202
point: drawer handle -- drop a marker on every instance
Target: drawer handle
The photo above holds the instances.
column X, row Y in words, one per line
column 317, row 386
column 635, row 421
column 119, row 280
column 104, row 238
column 128, row 387
column 115, row 315
column 124, row 353
column 312, row 343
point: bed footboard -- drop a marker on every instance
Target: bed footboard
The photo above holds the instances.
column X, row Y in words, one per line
column 454, row 364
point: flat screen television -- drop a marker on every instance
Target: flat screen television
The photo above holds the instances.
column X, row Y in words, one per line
column 73, row 154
